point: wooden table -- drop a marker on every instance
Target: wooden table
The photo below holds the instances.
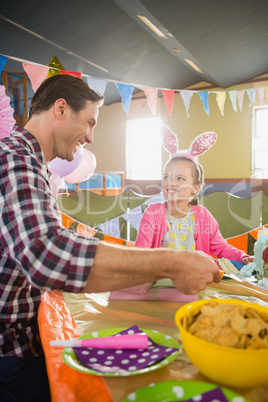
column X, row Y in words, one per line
column 67, row 315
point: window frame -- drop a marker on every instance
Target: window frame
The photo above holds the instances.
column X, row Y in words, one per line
column 261, row 173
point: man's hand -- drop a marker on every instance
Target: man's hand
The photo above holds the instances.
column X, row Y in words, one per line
column 195, row 272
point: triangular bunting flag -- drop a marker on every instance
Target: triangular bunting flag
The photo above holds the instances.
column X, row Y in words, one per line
column 125, row 92
column 66, row 220
column 204, row 99
column 85, row 231
column 129, row 243
column 220, row 98
column 240, row 242
column 56, row 64
column 36, row 74
column 186, row 97
column 261, row 91
column 240, row 97
column 134, row 217
column 233, row 98
column 78, row 75
column 113, row 240
column 254, row 233
column 97, row 84
column 251, row 94
column 151, row 94
column 168, row 97
column 3, row 61
column 111, row 227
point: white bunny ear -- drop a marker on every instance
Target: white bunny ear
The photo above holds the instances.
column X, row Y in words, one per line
column 202, row 143
column 169, row 139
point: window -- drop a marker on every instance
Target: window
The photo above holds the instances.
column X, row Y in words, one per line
column 260, row 142
column 143, row 150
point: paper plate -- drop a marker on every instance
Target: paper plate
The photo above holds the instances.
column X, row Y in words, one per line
column 71, row 359
column 178, row 391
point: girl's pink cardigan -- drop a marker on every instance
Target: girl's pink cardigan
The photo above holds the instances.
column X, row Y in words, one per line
column 207, row 236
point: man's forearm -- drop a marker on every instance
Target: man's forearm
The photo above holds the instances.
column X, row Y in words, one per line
column 118, row 267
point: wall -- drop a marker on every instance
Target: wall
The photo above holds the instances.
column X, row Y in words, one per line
column 229, row 158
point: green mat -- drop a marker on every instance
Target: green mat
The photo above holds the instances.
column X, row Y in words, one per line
column 93, row 209
column 235, row 215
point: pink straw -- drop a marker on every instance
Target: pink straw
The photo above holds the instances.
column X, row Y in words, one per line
column 131, row 341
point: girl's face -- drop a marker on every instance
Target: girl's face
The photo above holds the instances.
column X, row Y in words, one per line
column 178, row 182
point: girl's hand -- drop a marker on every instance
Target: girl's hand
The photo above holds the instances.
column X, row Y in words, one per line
column 246, row 260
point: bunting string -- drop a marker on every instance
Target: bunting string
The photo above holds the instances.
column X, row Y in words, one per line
column 38, row 72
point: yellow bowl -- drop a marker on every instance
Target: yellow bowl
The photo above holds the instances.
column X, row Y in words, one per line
column 241, row 368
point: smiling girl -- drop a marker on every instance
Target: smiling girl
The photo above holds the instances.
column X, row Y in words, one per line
column 179, row 222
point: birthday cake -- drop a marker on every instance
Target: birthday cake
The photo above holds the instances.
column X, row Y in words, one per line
column 259, row 268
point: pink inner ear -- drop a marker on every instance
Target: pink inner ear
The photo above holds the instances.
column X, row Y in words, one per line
column 203, row 143
column 170, row 141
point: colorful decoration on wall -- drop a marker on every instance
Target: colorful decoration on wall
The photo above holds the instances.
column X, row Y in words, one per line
column 126, row 89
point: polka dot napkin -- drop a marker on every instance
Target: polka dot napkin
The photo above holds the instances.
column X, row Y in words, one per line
column 123, row 360
column 215, row 395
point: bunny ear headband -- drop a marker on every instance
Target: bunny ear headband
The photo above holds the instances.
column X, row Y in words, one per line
column 199, row 146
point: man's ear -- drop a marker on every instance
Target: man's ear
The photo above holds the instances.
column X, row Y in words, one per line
column 60, row 107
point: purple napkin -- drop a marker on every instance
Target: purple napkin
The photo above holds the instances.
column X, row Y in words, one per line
column 215, row 395
column 123, row 361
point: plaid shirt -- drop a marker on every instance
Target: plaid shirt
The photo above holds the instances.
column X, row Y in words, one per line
column 36, row 252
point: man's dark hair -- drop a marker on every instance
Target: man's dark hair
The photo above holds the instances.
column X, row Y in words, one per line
column 74, row 90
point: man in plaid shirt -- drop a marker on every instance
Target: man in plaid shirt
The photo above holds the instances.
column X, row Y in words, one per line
column 37, row 253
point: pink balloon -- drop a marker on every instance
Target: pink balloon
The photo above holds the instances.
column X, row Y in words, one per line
column 62, row 167
column 85, row 169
